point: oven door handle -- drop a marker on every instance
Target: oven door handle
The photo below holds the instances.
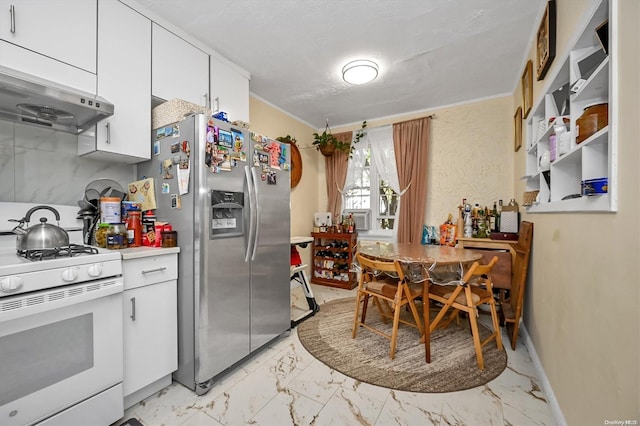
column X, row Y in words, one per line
column 23, row 305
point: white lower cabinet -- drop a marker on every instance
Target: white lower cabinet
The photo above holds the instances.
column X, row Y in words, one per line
column 150, row 325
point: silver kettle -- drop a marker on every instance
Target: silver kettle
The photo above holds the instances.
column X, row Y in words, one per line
column 41, row 236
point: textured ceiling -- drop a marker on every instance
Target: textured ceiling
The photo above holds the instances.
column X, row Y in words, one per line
column 431, row 53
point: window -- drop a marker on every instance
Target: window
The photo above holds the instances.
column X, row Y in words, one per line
column 369, row 191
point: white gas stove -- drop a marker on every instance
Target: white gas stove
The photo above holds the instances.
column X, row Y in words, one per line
column 21, row 275
column 61, row 316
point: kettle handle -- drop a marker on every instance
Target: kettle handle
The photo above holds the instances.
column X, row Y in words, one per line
column 27, row 217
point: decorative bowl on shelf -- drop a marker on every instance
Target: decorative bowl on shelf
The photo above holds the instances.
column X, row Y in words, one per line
column 594, row 118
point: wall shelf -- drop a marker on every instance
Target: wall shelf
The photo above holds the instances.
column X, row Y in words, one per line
column 560, row 185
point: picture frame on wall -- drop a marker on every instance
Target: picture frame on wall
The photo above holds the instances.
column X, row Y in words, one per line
column 517, row 129
column 527, row 89
column 546, row 40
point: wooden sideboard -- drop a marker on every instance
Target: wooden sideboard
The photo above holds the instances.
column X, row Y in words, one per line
column 501, row 273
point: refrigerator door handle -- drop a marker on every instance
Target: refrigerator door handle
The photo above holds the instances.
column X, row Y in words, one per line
column 251, row 189
column 256, row 208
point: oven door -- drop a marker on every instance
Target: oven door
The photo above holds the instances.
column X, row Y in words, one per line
column 59, row 347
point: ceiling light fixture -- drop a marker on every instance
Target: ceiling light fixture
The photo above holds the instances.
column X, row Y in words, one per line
column 360, row 72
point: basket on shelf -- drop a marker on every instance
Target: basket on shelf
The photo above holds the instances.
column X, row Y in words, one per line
column 529, row 197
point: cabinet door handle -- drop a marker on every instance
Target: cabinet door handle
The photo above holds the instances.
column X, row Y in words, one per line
column 12, row 12
column 133, row 309
column 108, row 126
column 148, row 271
column 206, row 100
column 217, row 104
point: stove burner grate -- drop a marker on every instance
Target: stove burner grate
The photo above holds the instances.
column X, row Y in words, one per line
column 71, row 250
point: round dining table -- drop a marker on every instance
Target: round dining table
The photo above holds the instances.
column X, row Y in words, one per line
column 420, row 253
column 420, row 264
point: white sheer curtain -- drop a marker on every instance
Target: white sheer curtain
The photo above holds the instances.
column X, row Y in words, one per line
column 382, row 153
column 355, row 165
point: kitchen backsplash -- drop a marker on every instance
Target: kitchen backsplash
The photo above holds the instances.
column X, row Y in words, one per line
column 41, row 166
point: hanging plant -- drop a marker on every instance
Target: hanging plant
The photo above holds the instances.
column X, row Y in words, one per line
column 327, row 144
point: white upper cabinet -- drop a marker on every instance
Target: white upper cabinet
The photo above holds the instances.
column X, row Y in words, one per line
column 55, row 40
column 124, row 79
column 179, row 69
column 229, row 90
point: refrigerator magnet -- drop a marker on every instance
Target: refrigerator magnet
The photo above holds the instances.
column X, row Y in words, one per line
column 186, row 148
column 225, row 139
column 175, row 147
column 176, row 201
column 167, row 165
column 263, row 177
column 238, row 140
column 183, row 177
column 208, row 154
column 271, row 177
column 165, row 188
column 274, row 155
column 156, row 147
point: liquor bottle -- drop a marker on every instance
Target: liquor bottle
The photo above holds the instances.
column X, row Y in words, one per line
column 493, row 219
column 351, row 224
column 499, row 217
column 460, row 221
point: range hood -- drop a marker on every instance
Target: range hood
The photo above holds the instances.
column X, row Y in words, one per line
column 30, row 100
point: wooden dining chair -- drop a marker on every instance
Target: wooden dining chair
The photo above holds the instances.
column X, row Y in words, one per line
column 386, row 284
column 474, row 289
column 511, row 309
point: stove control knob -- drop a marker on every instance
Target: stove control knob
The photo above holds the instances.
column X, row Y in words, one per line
column 69, row 275
column 95, row 270
column 11, row 284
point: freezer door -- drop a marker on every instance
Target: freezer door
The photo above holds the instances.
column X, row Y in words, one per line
column 270, row 290
column 224, row 329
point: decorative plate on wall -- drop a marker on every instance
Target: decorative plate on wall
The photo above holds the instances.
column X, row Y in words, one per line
column 296, row 165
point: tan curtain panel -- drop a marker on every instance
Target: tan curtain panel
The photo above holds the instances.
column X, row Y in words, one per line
column 336, row 170
column 411, row 146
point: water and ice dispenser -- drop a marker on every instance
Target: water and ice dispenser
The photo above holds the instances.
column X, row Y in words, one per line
column 227, row 209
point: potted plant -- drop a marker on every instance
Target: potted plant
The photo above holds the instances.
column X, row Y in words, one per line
column 326, row 143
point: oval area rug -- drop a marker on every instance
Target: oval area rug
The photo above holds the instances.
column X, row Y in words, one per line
column 453, row 367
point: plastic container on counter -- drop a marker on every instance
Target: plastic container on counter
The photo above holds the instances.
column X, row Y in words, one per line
column 110, row 210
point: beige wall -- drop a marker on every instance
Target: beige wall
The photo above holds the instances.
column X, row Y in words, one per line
column 582, row 299
column 272, row 122
column 470, row 156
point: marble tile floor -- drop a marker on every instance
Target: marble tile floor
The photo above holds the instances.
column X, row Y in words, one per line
column 284, row 385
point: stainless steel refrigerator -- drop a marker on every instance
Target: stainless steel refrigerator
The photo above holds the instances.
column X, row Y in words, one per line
column 234, row 239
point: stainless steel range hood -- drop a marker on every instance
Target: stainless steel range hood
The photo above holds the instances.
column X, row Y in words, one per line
column 30, row 100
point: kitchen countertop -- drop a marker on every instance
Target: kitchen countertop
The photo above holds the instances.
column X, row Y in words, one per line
column 140, row 252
